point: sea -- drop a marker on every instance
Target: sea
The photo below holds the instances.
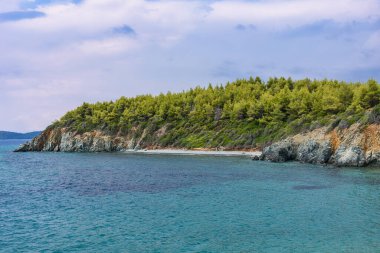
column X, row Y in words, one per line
column 117, row 202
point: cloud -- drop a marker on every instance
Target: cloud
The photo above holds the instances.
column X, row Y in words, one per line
column 312, row 29
column 282, row 14
column 9, row 5
column 99, row 50
column 124, row 29
column 19, row 15
column 331, row 29
column 32, row 4
column 106, row 47
column 241, row 27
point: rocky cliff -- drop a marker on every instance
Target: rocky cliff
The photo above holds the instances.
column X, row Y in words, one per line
column 357, row 145
column 65, row 140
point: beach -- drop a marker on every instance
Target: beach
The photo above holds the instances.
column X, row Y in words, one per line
column 195, row 152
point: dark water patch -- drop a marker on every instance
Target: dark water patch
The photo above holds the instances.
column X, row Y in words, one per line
column 87, row 188
column 310, row 187
column 112, row 181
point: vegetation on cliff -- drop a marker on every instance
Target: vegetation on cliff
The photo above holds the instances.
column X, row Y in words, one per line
column 241, row 114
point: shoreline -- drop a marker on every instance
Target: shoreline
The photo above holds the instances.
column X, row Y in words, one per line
column 194, row 152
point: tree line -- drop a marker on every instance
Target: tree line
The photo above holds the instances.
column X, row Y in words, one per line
column 244, row 109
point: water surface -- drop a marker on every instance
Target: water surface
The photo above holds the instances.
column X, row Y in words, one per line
column 113, row 202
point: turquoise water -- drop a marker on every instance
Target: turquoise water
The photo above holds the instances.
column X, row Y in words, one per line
column 70, row 202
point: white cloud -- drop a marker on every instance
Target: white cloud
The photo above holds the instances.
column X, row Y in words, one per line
column 54, row 63
column 9, row 5
column 281, row 14
column 108, row 46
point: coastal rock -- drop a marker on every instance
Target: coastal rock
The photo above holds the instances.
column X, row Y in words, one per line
column 67, row 142
column 309, row 151
column 280, row 152
column 131, row 143
column 99, row 145
column 64, row 140
column 24, row 147
column 312, row 151
column 255, row 158
column 46, row 141
column 349, row 156
column 373, row 158
column 356, row 145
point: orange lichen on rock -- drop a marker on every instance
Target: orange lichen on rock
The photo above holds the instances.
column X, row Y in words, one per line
column 335, row 140
column 371, row 138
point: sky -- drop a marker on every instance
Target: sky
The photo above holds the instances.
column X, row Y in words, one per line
column 57, row 54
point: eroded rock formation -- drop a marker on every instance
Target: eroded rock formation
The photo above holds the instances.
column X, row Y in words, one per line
column 356, row 146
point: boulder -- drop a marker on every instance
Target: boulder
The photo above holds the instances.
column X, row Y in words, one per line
column 281, row 151
column 255, row 158
column 312, row 151
column 373, row 158
column 24, row 147
column 349, row 156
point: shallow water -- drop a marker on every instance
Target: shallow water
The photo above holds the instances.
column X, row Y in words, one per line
column 72, row 202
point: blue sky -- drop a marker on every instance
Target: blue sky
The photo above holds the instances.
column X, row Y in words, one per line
column 57, row 54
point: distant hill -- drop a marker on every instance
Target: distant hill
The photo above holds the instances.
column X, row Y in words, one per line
column 13, row 135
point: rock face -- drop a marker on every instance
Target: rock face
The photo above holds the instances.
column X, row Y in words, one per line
column 280, row 152
column 312, row 151
column 61, row 139
column 350, row 156
column 354, row 146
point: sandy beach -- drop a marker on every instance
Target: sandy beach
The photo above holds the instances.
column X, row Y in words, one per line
column 195, row 152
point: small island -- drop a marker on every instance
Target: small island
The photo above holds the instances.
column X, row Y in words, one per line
column 313, row 121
